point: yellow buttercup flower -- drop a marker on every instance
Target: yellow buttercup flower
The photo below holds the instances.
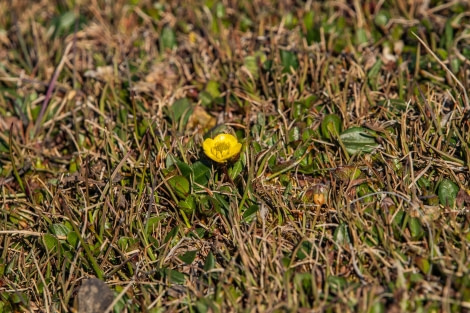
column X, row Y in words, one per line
column 222, row 147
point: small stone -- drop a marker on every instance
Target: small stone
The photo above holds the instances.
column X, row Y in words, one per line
column 94, row 296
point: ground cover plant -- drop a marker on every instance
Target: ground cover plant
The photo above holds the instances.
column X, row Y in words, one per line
column 341, row 183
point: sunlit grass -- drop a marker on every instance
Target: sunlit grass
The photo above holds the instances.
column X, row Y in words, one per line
column 343, row 185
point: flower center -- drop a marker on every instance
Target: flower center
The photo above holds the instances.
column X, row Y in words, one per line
column 221, row 149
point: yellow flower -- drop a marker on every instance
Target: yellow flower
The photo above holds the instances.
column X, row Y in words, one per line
column 222, row 147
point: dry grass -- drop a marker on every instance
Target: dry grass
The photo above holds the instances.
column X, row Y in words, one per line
column 103, row 104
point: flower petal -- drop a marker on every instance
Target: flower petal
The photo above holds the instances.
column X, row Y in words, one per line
column 207, row 146
column 222, row 147
column 236, row 149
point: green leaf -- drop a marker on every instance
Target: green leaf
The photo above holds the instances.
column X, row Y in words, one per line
column 236, row 169
column 415, row 228
column 250, row 213
column 210, row 262
column 447, row 192
column 175, row 277
column 205, row 98
column 188, row 257
column 180, row 185
column 245, row 23
column 152, row 221
column 313, row 33
column 398, row 219
column 180, row 107
column 293, row 134
column 382, row 18
column 337, row 282
column 184, row 168
column 59, row 229
column 291, row 20
column 63, row 23
column 167, row 39
column 373, row 73
column 361, row 36
column 304, row 281
column 363, row 190
column 331, row 126
column 348, row 173
column 309, row 19
column 449, row 34
column 72, row 238
column 201, row 172
column 51, row 243
column 219, row 10
column 455, row 65
column 188, row 205
column 199, row 232
column 251, row 63
column 341, row 235
column 423, row 264
column 201, row 306
column 289, row 60
column 123, row 243
column 220, row 203
column 305, row 250
column 358, row 139
column 212, row 88
column 18, row 297
column 171, row 234
column 207, row 205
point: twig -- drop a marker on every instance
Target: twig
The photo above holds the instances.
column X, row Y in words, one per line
column 21, row 232
column 467, row 104
column 50, row 88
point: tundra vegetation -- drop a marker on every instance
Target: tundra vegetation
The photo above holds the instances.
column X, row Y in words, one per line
column 343, row 186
